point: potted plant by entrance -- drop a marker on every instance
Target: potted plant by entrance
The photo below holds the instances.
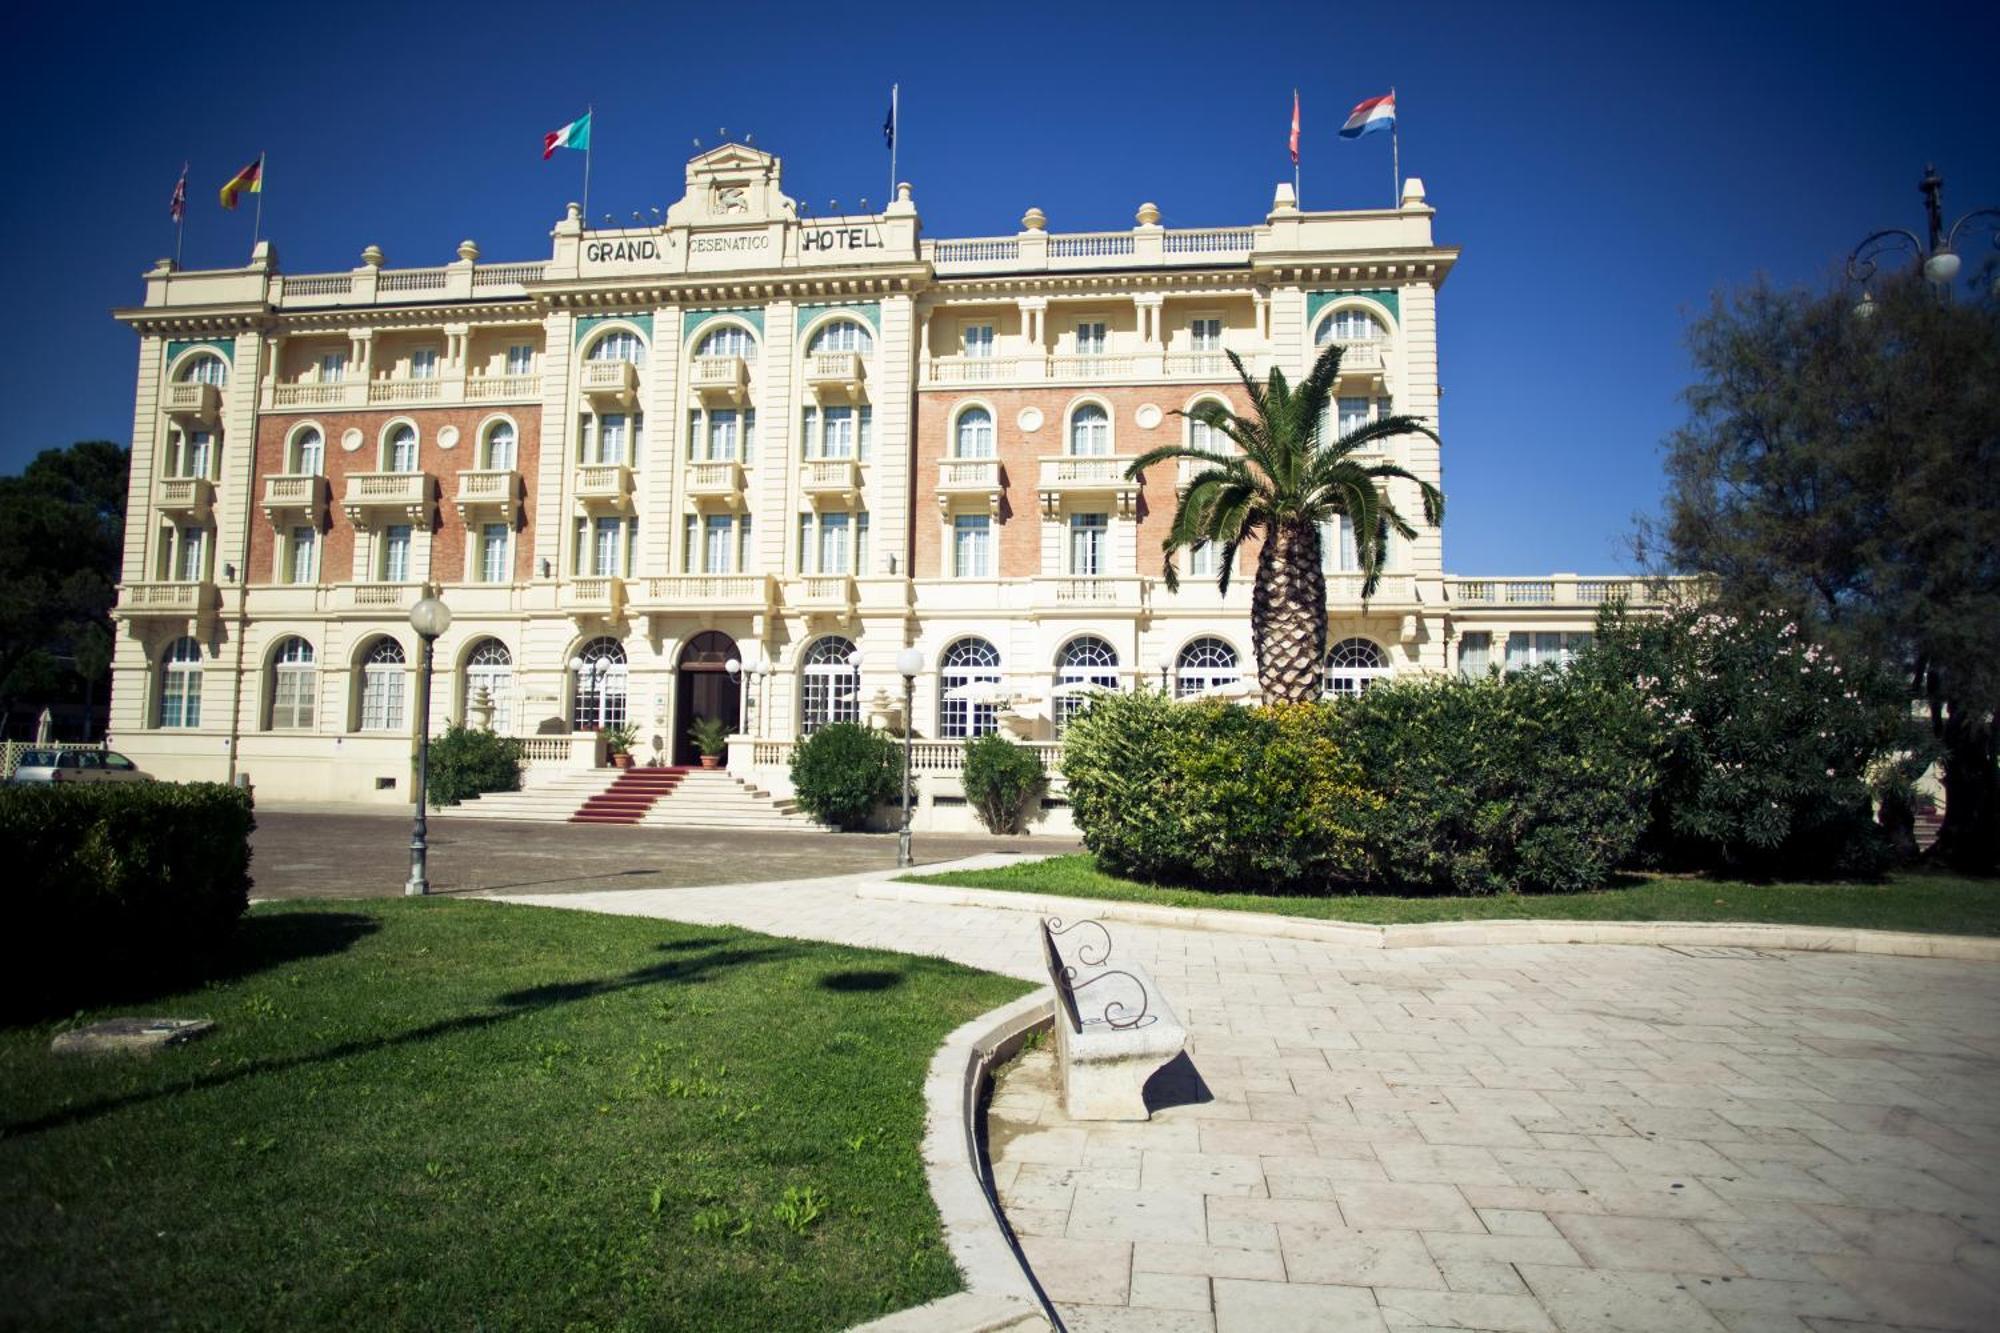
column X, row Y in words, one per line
column 618, row 743
column 710, row 736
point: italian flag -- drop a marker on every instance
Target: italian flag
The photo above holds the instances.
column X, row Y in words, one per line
column 576, row 134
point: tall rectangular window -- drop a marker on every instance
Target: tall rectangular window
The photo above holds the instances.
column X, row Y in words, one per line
column 864, row 431
column 396, row 553
column 1090, row 338
column 610, row 439
column 977, row 339
column 521, row 359
column 835, row 555
column 1338, row 553
column 193, row 553
column 722, row 435
column 424, row 363
column 838, row 441
column 1205, row 335
column 332, row 367
column 1086, row 544
column 305, row 555
column 493, row 553
column 971, row 546
column 717, row 539
column 691, row 544
column 861, row 543
column 1204, row 560
column 809, row 437
column 200, row 454
column 1353, row 414
column 604, row 547
column 1475, row 653
column 743, row 547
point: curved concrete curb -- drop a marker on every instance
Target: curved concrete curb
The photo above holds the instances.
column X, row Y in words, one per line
column 1808, row 939
column 999, row 1294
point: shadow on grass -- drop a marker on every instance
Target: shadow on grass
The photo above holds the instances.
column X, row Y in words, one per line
column 861, row 979
column 517, row 1004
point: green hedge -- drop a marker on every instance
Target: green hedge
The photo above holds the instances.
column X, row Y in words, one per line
column 1000, row 778
column 467, row 761
column 118, row 887
column 841, row 773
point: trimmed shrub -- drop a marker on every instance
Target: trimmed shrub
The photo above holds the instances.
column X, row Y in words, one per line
column 1535, row 781
column 466, row 761
column 118, row 887
column 1000, row 779
column 1214, row 794
column 841, row 773
column 1763, row 741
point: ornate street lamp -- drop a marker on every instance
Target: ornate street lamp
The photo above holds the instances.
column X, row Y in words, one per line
column 1938, row 260
column 429, row 618
column 908, row 663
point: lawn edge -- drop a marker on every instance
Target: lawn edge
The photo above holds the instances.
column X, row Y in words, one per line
column 1434, row 934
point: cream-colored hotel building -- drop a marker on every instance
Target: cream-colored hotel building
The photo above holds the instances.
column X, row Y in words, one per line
column 734, row 464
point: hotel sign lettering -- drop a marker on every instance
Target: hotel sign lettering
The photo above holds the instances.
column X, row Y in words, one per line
column 838, row 238
column 622, row 251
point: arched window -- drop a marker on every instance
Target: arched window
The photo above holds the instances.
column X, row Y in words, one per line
column 293, row 686
column 1205, row 664
column 1352, row 665
column 968, row 675
column 843, row 335
column 729, row 340
column 1204, row 436
column 599, row 694
column 1349, row 326
column 500, row 450
column 829, row 688
column 205, row 369
column 619, row 345
column 180, row 684
column 308, row 453
column 1087, row 666
column 490, row 667
column 1090, row 430
column 401, row 453
column 973, row 436
column 382, row 687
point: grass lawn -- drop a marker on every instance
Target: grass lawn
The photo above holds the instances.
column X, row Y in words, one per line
column 460, row 1115
column 1947, row 904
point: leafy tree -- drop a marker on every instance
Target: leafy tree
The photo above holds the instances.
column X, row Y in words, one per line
column 1286, row 481
column 1847, row 468
column 62, row 535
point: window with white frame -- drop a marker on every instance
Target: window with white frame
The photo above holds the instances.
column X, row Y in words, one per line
column 721, row 435
column 308, row 453
column 1205, row 664
column 1338, row 553
column 716, row 544
column 619, row 345
column 1087, row 666
column 382, row 675
column 192, row 548
column 394, row 566
column 331, row 368
column 1090, row 338
column 493, row 545
column 729, row 340
column 972, row 546
column 501, row 448
column 968, row 680
column 1353, row 413
column 843, row 335
column 490, row 667
column 1086, row 544
column 1543, row 648
column 1090, row 430
column 598, row 686
column 972, row 434
column 1201, row 435
column 833, row 542
column 976, row 340
column 1205, row 335
column 424, row 363
column 293, row 686
column 604, row 545
column 401, row 453
column 204, row 369
column 1204, row 560
column 521, row 359
column 1475, row 653
column 302, row 552
column 614, row 437
column 1352, row 665
column 837, row 433
column 829, row 685
column 1350, row 326
column 193, row 454
column 180, row 684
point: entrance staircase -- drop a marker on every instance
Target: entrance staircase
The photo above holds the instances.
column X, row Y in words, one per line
column 711, row 798
column 646, row 797
column 629, row 797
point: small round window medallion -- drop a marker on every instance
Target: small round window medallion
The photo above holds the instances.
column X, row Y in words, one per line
column 350, row 439
column 447, row 436
column 1030, row 419
column 1148, row 416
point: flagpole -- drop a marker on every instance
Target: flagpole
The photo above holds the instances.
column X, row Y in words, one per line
column 1395, row 152
column 895, row 132
column 589, row 113
column 257, row 224
column 1297, row 200
column 180, row 213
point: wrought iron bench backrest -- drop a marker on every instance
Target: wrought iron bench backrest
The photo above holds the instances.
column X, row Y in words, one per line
column 1063, row 977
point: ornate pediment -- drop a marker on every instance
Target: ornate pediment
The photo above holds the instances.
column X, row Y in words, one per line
column 733, row 183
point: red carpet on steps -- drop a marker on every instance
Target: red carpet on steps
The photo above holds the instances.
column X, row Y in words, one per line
column 629, row 796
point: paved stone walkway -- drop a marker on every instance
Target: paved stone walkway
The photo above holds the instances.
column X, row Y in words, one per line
column 1580, row 1138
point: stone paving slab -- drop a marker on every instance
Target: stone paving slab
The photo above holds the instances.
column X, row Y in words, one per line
column 1567, row 1137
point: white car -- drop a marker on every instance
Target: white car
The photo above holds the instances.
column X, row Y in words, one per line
column 77, row 766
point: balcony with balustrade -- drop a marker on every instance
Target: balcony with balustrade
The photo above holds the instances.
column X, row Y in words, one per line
column 1391, row 590
column 374, row 498
column 830, row 594
column 378, row 599
column 969, row 483
column 603, row 488
column 1088, row 368
column 836, row 375
column 192, row 403
column 489, row 493
column 702, row 594
column 185, row 499
column 1564, row 591
column 947, row 370
column 1364, row 362
column 318, row 394
column 167, row 600
column 610, row 383
column 1095, row 595
column 296, row 498
column 1073, row 479
column 716, row 484
column 594, row 598
column 720, row 379
column 830, row 480
column 502, row 388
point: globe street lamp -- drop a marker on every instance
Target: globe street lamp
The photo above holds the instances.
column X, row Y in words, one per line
column 429, row 618
column 1938, row 260
column 908, row 663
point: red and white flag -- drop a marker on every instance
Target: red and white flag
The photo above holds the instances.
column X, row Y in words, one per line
column 1295, row 127
column 177, row 207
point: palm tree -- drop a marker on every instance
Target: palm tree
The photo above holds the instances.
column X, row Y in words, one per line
column 1282, row 484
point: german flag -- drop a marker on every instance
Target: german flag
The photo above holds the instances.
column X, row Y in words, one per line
column 250, row 179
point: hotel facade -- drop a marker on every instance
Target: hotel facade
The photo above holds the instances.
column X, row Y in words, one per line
column 732, row 465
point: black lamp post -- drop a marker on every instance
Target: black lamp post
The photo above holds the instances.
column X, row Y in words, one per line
column 1937, row 258
column 908, row 663
column 429, row 618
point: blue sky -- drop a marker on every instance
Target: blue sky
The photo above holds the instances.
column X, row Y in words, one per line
column 1604, row 167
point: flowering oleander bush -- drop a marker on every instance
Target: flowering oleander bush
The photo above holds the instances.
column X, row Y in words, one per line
column 1763, row 740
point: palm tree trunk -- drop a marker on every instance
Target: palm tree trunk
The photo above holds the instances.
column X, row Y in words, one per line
column 1288, row 614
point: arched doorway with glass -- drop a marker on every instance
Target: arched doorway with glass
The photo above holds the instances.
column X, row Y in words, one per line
column 597, row 686
column 704, row 688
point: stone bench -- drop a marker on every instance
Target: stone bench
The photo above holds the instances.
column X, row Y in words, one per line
column 1114, row 1029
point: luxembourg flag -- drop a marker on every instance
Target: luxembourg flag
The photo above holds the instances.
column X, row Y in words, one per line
column 1377, row 113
